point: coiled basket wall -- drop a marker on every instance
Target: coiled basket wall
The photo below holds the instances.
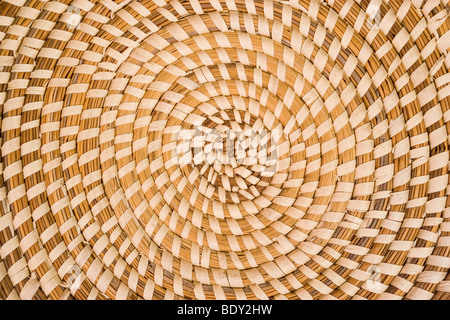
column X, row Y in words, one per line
column 334, row 186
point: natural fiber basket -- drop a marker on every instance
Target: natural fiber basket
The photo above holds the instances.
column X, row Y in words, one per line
column 224, row 149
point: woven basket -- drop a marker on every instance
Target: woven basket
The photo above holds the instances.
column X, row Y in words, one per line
column 224, row 149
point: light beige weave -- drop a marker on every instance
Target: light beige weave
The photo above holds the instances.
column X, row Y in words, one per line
column 101, row 197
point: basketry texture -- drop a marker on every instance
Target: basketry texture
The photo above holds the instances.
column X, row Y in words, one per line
column 335, row 186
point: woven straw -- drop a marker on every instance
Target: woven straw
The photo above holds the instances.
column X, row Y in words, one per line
column 103, row 198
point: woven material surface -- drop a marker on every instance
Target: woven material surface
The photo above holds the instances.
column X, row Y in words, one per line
column 118, row 178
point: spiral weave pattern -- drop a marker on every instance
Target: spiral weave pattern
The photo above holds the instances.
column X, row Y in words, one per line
column 224, row 149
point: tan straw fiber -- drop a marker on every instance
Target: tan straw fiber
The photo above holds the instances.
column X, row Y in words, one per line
column 224, row 149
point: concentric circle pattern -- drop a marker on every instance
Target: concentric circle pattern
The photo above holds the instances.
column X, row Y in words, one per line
column 224, row 149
